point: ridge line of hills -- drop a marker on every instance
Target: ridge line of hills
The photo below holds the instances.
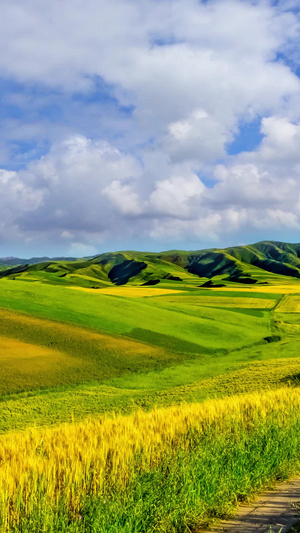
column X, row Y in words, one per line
column 239, row 264
column 15, row 261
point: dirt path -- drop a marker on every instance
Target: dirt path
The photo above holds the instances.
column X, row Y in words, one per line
column 274, row 511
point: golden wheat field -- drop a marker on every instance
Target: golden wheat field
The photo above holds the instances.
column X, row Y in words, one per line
column 76, row 460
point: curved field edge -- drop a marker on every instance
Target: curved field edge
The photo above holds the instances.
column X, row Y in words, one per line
column 66, row 354
column 171, row 470
column 175, row 329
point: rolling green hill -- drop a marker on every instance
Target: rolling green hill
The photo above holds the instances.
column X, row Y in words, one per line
column 239, row 264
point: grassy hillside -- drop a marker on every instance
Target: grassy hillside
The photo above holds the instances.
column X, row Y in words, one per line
column 72, row 352
column 240, row 264
column 142, row 318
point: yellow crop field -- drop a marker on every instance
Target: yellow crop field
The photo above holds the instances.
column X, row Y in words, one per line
column 30, row 358
column 37, row 352
column 273, row 289
column 129, row 292
column 24, row 322
column 223, row 301
column 91, row 458
column 290, row 304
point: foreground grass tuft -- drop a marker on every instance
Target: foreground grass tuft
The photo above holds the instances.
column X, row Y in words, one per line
column 170, row 470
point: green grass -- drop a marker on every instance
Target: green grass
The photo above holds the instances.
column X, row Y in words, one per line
column 119, row 353
column 265, row 367
column 98, row 337
column 208, row 330
column 52, row 406
column 84, row 355
column 231, row 465
column 145, row 350
column 67, row 355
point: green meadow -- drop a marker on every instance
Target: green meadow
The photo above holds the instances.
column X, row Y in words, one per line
column 74, row 354
column 69, row 352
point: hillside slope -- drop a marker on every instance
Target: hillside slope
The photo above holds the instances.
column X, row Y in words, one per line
column 239, row 264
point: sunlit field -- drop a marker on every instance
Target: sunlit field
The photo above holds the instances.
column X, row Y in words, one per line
column 116, row 401
column 130, row 292
column 149, row 352
column 68, row 353
column 173, row 469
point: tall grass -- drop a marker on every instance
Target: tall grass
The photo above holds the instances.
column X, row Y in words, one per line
column 169, row 470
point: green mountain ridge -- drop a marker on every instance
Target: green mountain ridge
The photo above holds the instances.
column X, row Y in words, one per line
column 238, row 264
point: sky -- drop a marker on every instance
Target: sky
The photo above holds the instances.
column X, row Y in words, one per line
column 148, row 124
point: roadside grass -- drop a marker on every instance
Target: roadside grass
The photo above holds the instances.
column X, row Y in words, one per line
column 295, row 529
column 171, row 470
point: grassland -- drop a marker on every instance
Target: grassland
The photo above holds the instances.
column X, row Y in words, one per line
column 171, row 470
column 68, row 353
column 93, row 358
column 169, row 328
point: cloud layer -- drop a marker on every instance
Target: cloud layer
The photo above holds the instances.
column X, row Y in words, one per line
column 118, row 120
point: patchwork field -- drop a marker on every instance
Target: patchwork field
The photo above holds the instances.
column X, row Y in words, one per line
column 130, row 292
column 289, row 304
column 93, row 351
column 273, row 287
column 70, row 355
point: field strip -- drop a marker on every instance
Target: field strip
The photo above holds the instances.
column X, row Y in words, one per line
column 289, row 304
column 11, row 349
column 129, row 292
column 275, row 511
column 274, row 289
column 235, row 301
column 17, row 324
column 257, row 375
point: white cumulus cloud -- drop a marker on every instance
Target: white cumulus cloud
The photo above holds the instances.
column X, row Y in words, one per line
column 119, row 115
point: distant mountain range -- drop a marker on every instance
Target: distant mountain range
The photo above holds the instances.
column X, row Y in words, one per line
column 13, row 261
column 238, row 264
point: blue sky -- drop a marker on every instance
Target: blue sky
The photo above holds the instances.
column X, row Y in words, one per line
column 148, row 125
